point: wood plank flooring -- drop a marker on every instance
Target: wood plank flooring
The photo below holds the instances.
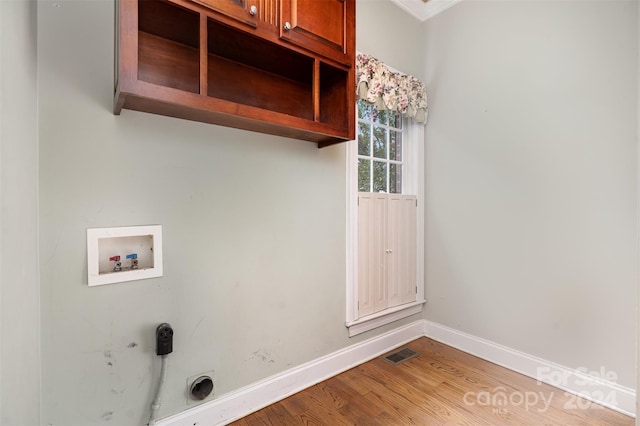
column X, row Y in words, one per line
column 441, row 386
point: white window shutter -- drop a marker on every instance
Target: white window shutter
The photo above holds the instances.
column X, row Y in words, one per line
column 372, row 217
column 401, row 246
column 387, row 251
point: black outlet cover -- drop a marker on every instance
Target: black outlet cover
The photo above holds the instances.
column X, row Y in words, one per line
column 164, row 339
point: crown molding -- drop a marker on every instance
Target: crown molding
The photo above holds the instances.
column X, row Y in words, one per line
column 425, row 10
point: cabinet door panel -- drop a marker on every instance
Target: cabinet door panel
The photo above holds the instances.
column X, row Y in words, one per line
column 254, row 13
column 322, row 26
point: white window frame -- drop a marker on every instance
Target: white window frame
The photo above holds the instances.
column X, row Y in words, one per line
column 412, row 183
column 387, row 160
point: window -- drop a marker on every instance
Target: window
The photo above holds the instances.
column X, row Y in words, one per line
column 379, row 150
column 385, row 160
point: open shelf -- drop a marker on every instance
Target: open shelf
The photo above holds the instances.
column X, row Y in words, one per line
column 167, row 63
column 168, row 46
column 251, row 71
column 334, row 84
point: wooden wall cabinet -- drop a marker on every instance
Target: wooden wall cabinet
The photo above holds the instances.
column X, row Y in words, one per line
column 232, row 63
column 319, row 25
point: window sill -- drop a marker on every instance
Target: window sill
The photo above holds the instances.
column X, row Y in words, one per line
column 381, row 318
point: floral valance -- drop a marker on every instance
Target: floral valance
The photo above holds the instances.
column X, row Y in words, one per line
column 390, row 90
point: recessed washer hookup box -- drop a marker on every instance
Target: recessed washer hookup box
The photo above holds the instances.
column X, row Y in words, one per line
column 125, row 253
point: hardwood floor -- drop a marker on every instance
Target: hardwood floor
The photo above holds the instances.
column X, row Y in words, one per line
column 440, row 386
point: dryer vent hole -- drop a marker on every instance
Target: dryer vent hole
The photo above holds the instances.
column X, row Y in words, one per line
column 201, row 388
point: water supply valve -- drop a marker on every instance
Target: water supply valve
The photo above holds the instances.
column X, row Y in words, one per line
column 134, row 260
column 117, row 265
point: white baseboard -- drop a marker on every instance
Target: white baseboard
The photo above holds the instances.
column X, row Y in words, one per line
column 595, row 388
column 244, row 401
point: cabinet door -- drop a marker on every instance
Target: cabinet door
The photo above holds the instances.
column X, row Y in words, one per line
column 251, row 12
column 326, row 27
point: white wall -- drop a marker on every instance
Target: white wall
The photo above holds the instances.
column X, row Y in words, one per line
column 638, row 242
column 19, row 287
column 391, row 35
column 253, row 231
column 531, row 178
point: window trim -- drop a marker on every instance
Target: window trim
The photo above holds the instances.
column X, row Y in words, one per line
column 412, row 183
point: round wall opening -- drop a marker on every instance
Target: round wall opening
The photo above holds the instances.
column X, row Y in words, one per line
column 201, row 388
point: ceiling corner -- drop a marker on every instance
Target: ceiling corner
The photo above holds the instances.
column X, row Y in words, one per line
column 425, row 10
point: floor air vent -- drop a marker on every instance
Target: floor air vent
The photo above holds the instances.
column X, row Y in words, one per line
column 401, row 356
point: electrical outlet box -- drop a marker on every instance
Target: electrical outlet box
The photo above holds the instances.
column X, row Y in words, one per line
column 164, row 339
column 123, row 254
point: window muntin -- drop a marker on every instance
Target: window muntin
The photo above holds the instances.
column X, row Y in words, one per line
column 379, row 150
